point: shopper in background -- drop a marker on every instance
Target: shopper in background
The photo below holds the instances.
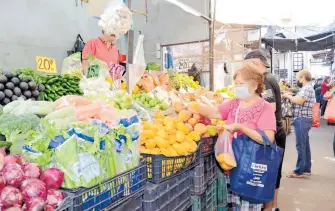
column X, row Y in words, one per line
column 102, row 48
column 325, row 87
column 253, row 113
column 317, row 89
column 302, row 122
column 272, row 95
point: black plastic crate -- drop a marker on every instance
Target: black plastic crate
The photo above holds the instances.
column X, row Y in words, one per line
column 207, row 145
column 67, row 204
column 132, row 204
column 161, row 168
column 112, row 192
column 207, row 201
column 171, row 195
column 203, row 174
column 222, row 187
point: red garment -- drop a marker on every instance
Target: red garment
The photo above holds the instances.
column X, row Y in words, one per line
column 98, row 48
column 324, row 88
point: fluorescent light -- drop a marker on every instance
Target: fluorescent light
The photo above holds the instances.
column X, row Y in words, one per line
column 185, row 7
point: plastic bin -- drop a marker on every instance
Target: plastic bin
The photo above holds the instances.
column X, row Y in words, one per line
column 160, row 167
column 207, row 145
column 203, row 174
column 112, row 192
column 67, row 204
column 222, row 187
column 171, row 195
column 133, row 204
column 207, row 201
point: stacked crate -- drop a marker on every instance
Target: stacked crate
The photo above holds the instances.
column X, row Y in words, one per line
column 204, row 178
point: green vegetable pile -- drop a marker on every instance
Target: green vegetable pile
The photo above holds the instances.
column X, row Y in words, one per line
column 154, row 66
column 150, row 102
column 57, row 86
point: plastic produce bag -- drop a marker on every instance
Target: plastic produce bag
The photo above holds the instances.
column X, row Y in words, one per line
column 224, row 152
column 97, row 68
column 72, row 65
column 316, row 115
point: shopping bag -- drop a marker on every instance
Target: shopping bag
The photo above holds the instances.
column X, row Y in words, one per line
column 254, row 178
column 316, row 115
column 330, row 110
column 224, row 152
column 286, row 108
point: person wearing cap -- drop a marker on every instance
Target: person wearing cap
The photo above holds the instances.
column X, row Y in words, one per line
column 102, row 48
column 272, row 95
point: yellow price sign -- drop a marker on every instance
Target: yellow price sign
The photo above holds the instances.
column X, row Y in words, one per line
column 46, row 65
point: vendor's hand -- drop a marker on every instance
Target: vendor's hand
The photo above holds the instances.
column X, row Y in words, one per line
column 286, row 95
column 233, row 127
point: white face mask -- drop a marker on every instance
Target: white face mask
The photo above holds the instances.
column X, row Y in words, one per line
column 242, row 92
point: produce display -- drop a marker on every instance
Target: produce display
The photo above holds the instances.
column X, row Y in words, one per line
column 25, row 186
column 57, row 86
column 173, row 136
column 229, row 91
column 150, row 102
column 14, row 86
column 178, row 81
column 69, row 131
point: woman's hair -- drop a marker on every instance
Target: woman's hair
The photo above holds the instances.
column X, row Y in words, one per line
column 251, row 72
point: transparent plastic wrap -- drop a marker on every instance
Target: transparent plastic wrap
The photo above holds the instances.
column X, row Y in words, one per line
column 97, row 68
column 224, row 151
column 94, row 86
column 143, row 113
column 127, row 143
column 72, row 65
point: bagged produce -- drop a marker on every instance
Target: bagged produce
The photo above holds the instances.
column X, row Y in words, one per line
column 97, row 68
column 19, row 107
column 72, row 65
column 224, row 152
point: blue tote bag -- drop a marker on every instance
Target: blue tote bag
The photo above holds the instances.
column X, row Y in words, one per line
column 254, row 178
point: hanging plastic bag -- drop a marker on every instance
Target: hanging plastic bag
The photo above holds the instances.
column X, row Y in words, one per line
column 316, row 115
column 224, row 151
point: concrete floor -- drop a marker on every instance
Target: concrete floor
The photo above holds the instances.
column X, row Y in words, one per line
column 317, row 192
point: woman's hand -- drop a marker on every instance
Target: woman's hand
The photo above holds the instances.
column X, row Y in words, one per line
column 232, row 128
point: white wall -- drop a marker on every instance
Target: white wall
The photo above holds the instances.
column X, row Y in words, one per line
column 41, row 28
column 31, row 28
column 168, row 24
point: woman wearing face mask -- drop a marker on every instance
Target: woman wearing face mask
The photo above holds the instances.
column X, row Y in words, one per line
column 253, row 113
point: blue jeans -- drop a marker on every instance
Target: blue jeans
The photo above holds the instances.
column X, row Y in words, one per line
column 302, row 127
column 323, row 105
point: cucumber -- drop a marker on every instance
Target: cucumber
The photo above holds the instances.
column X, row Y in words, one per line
column 5, row 144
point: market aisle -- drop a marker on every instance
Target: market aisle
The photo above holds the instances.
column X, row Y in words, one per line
column 316, row 192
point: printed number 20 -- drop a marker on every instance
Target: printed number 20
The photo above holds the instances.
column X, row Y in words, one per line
column 44, row 64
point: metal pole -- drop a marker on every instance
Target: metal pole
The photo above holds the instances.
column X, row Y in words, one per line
column 212, row 6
